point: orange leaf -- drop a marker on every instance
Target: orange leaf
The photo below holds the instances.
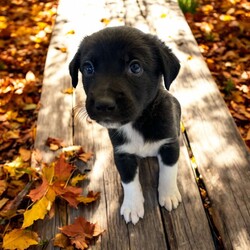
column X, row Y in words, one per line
column 90, row 197
column 20, row 239
column 54, row 143
column 3, row 186
column 80, row 232
column 37, row 193
column 86, row 156
column 68, row 193
column 68, row 91
column 25, row 154
column 3, row 201
column 63, row 169
column 76, row 179
column 61, row 240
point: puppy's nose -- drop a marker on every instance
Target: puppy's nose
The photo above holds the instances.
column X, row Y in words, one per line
column 105, row 104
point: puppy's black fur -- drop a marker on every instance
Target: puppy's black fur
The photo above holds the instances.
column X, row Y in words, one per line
column 122, row 69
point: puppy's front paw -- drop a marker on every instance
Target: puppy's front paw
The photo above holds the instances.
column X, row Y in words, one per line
column 169, row 199
column 133, row 209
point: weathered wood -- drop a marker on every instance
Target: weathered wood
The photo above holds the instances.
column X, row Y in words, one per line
column 217, row 146
column 185, row 232
column 220, row 152
column 55, row 117
column 187, row 227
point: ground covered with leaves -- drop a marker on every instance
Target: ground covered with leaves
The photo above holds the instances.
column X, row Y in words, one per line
column 222, row 30
column 25, row 30
column 27, row 195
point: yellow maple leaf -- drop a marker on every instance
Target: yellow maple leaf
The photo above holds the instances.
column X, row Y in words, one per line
column 49, row 172
column 163, row 15
column 68, row 91
column 76, row 179
column 38, row 211
column 20, row 239
column 85, row 199
column 89, row 198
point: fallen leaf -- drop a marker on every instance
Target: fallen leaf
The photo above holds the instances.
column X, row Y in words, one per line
column 226, row 18
column 3, row 186
column 12, row 205
column 71, row 32
column 3, row 201
column 54, row 143
column 25, row 154
column 80, row 232
column 19, row 239
column 37, row 193
column 30, row 106
column 91, row 197
column 63, row 169
column 76, row 179
column 105, row 21
column 61, row 240
column 38, row 211
column 86, row 156
column 68, row 91
column 30, row 76
column 69, row 193
column 62, row 49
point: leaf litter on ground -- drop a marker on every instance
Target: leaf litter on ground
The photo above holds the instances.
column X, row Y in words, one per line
column 57, row 180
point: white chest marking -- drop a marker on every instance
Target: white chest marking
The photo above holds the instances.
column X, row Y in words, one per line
column 137, row 145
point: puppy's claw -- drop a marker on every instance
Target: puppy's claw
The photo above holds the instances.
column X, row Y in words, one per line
column 132, row 211
column 170, row 201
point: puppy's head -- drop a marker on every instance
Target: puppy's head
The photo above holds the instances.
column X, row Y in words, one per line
column 121, row 72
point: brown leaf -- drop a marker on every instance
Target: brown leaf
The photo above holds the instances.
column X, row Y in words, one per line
column 61, row 240
column 3, row 186
column 86, row 156
column 81, row 232
column 63, row 169
column 69, row 193
column 91, row 197
column 39, row 192
column 25, row 154
column 54, row 143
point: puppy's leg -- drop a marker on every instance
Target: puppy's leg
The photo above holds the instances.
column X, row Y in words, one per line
column 132, row 208
column 169, row 195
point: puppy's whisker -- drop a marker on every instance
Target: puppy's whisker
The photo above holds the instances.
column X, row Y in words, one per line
column 80, row 112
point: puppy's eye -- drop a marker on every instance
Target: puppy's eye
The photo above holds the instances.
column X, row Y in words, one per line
column 135, row 68
column 88, row 68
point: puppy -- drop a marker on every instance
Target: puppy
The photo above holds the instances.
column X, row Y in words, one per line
column 122, row 70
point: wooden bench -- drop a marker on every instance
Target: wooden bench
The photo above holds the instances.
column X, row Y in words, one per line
column 212, row 147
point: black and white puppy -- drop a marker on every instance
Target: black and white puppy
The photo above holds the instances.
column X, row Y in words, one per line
column 122, row 69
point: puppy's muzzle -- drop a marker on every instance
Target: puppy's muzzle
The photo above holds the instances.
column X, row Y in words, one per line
column 105, row 105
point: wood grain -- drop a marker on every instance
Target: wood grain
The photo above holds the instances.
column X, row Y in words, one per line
column 216, row 144
column 220, row 152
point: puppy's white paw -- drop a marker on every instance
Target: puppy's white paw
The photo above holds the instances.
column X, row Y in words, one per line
column 133, row 209
column 169, row 199
column 169, row 195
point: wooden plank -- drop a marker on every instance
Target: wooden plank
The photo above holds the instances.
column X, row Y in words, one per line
column 187, row 227
column 119, row 235
column 220, row 152
column 54, row 118
column 182, row 228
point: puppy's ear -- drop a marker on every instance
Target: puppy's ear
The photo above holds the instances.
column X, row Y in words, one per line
column 74, row 67
column 169, row 63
